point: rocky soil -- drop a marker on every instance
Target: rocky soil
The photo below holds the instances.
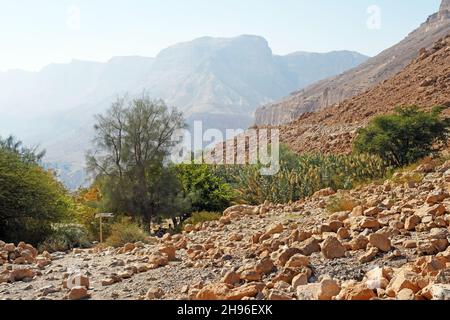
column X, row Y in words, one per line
column 392, row 242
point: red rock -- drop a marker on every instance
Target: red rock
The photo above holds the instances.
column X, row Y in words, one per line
column 297, row 260
column 265, row 266
column 380, row 241
column 309, row 246
column 332, row 248
column 369, row 223
column 78, row 293
column 285, row 255
column 412, row 222
column 231, row 278
column 358, row 291
column 169, row 251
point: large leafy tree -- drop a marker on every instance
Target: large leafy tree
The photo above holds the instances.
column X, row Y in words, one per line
column 132, row 142
column 31, row 199
column 404, row 137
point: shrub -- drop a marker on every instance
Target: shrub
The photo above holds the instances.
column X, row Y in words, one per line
column 207, row 190
column 65, row 237
column 31, row 199
column 405, row 136
column 301, row 176
column 203, row 216
column 125, row 231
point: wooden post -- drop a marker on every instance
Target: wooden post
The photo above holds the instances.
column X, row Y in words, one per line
column 101, row 216
column 101, row 230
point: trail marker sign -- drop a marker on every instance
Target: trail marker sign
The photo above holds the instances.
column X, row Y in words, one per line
column 101, row 216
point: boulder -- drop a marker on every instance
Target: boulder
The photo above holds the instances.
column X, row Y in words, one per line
column 380, row 241
column 78, row 293
column 412, row 222
column 436, row 197
column 22, row 274
column 285, row 255
column 265, row 266
column 158, row 260
column 403, row 280
column 297, row 260
column 369, row 223
column 309, row 246
column 328, row 289
column 406, row 294
column 359, row 243
column 332, row 248
column 300, row 280
column 231, row 278
column 357, row 291
column 169, row 251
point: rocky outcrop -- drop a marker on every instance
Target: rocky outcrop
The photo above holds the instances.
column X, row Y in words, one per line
column 424, row 82
column 335, row 90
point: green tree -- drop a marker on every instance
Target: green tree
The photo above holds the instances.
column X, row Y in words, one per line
column 31, row 199
column 132, row 142
column 26, row 154
column 404, row 137
column 206, row 188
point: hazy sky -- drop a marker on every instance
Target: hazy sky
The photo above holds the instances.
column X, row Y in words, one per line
column 35, row 33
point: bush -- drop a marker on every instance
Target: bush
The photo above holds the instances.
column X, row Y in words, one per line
column 207, row 190
column 404, row 137
column 125, row 231
column 31, row 199
column 203, row 216
column 66, row 237
column 302, row 175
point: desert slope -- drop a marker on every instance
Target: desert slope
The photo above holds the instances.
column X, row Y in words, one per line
column 361, row 78
column 424, row 82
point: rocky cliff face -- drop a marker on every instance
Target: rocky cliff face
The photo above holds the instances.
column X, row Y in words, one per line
column 355, row 81
column 425, row 82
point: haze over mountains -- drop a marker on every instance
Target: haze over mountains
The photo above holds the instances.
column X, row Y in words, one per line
column 375, row 70
column 218, row 80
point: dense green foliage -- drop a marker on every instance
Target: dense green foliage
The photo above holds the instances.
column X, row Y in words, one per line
column 405, row 136
column 26, row 154
column 301, row 176
column 207, row 190
column 31, row 199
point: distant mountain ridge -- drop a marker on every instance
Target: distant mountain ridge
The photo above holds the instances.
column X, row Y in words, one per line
column 220, row 81
column 355, row 81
